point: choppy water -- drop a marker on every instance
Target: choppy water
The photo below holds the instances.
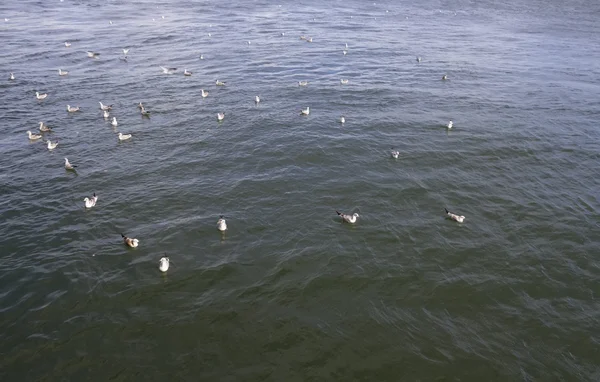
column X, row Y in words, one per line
column 289, row 293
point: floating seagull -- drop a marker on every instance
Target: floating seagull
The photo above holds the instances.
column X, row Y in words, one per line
column 105, row 107
column 309, row 39
column 222, row 224
column 90, row 202
column 302, row 83
column 62, row 72
column 449, row 125
column 257, row 99
column 346, row 45
column 343, row 81
column 444, row 77
column 145, row 113
column 68, row 165
column 348, row 218
column 283, row 33
column 249, row 42
column 395, row 153
column 186, row 73
column 305, row 111
column 72, row 109
column 67, row 44
column 130, row 242
column 202, row 57
column 342, row 119
column 220, row 116
column 168, row 70
column 40, row 96
column 455, row 217
column 209, row 35
column 345, row 52
column 92, row 54
column 52, row 146
column 163, row 263
column 125, row 51
column 303, row 38
column 220, row 83
column 124, row 137
column 106, row 114
column 114, row 122
column 418, row 59
column 44, row 128
column 204, row 93
column 11, row 77
column 33, row 137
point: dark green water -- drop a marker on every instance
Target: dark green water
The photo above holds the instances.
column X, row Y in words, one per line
column 289, row 293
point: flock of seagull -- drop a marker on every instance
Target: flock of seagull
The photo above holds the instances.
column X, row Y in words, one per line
column 90, row 202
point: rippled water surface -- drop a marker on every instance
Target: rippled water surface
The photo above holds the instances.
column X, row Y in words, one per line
column 289, row 293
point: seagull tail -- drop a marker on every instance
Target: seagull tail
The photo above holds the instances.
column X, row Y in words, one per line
column 338, row 212
column 123, row 236
column 446, row 210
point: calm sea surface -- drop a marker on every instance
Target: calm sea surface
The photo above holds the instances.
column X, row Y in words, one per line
column 289, row 293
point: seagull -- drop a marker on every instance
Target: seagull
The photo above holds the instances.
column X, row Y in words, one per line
column 204, row 93
column 257, row 99
column 106, row 114
column 44, row 128
column 92, row 54
column 309, row 39
column 303, row 38
column 222, row 224
column 249, row 42
column 72, row 109
column 202, row 57
column 395, row 153
column 186, row 73
column 455, row 217
column 346, row 45
column 168, row 70
column 11, row 77
column 449, row 125
column 220, row 116
column 130, row 242
column 209, row 35
column 114, row 122
column 90, row 202
column 342, row 119
column 348, row 218
column 145, row 113
column 62, row 72
column 305, row 111
column 345, row 52
column 220, row 83
column 67, row 44
column 52, row 146
column 68, row 165
column 33, row 137
column 343, row 81
column 163, row 263
column 283, row 33
column 40, row 96
column 302, row 83
column 105, row 107
column 125, row 51
column 444, row 77
column 418, row 59
column 124, row 137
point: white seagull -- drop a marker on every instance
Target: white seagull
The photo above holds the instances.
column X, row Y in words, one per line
column 33, row 137
column 44, row 128
column 418, row 59
column 52, row 146
column 106, row 114
column 163, row 264
column 302, row 83
column 444, row 77
column 62, row 72
column 92, row 54
column 305, row 111
column 125, row 51
column 130, row 242
column 11, row 77
column 344, row 81
column 72, row 109
column 221, row 224
column 345, row 52
column 124, row 137
column 204, row 93
column 90, row 202
column 257, row 99
column 41, row 96
column 395, row 153
column 220, row 116
column 67, row 44
column 186, row 73
column 104, row 107
column 346, row 45
column 348, row 218
column 114, row 122
column 68, row 165
column 449, row 125
column 455, row 217
column 220, row 83
column 342, row 119
column 168, row 70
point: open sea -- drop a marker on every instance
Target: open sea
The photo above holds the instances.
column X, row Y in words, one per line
column 289, row 292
